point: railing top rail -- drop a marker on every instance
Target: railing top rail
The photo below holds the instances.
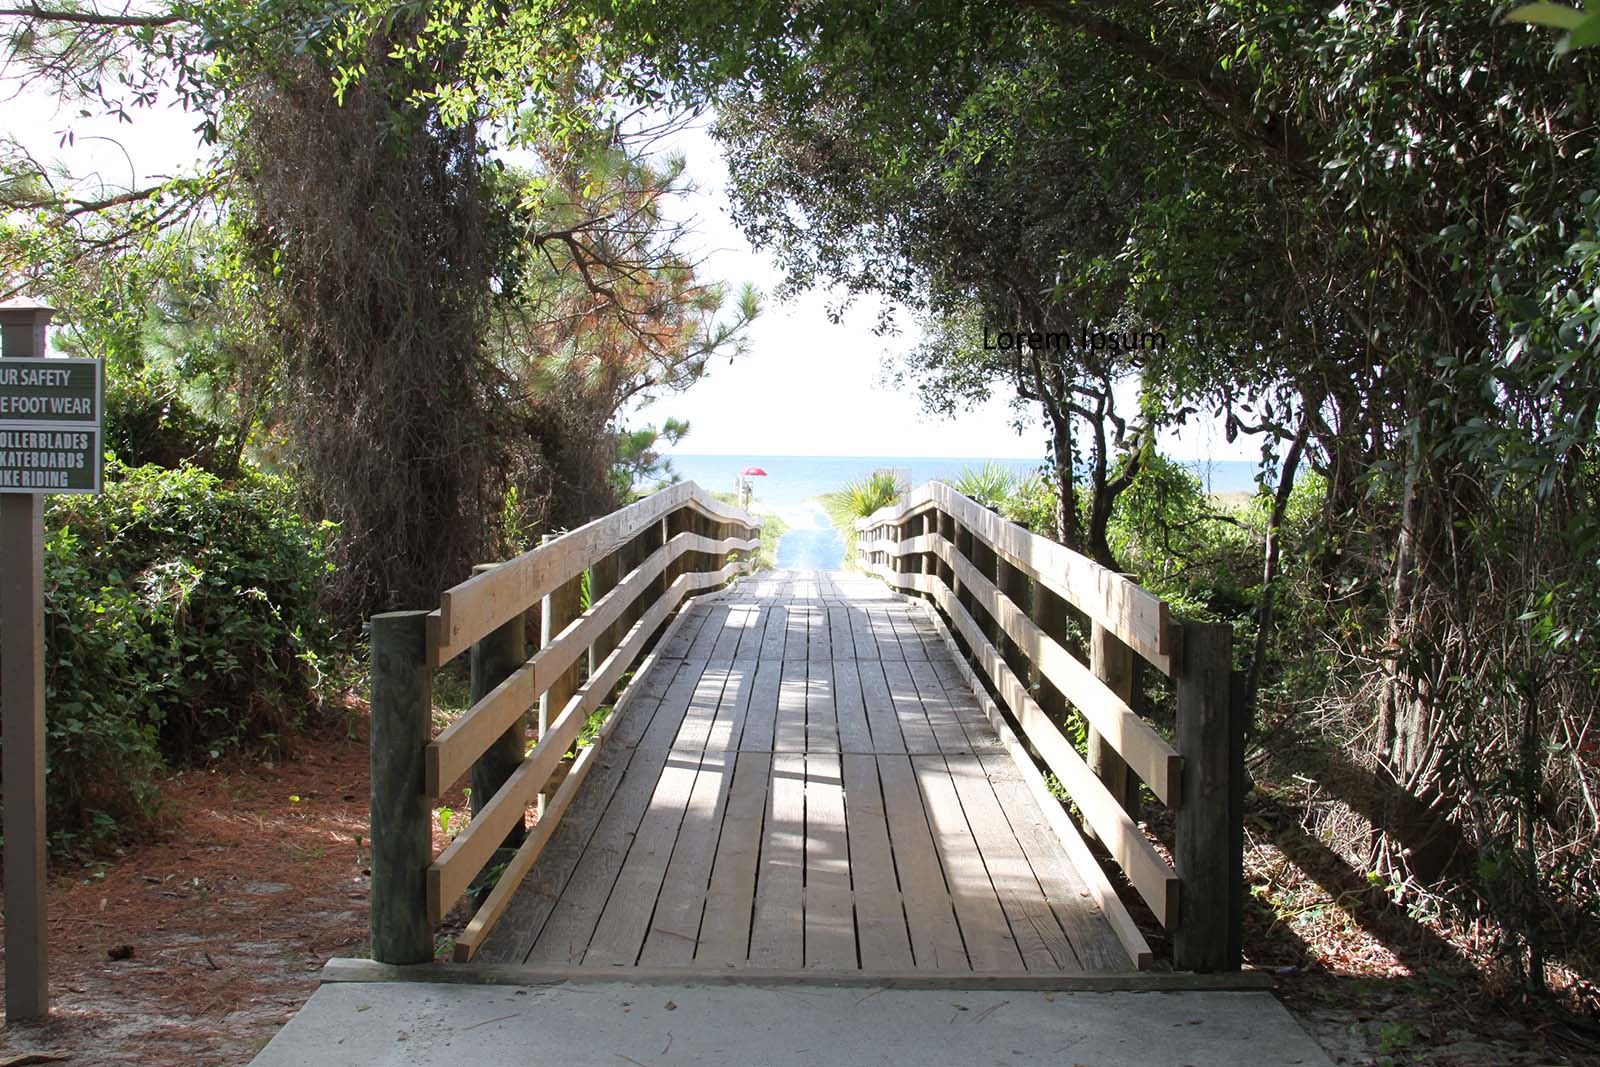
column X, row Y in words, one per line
column 476, row 606
column 1138, row 617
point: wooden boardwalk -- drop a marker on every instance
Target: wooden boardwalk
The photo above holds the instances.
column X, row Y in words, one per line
column 802, row 781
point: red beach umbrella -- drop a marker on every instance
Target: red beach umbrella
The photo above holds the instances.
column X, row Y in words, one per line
column 750, row 472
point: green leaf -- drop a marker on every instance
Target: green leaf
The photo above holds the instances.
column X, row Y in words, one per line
column 1558, row 15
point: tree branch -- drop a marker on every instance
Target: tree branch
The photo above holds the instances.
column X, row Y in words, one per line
column 90, row 18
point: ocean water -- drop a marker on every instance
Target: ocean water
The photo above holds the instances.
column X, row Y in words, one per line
column 796, row 479
column 793, row 483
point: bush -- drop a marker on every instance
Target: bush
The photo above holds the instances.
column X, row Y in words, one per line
column 148, row 420
column 990, row 485
column 857, row 500
column 181, row 620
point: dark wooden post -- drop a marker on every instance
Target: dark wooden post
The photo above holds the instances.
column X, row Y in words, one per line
column 984, row 560
column 1208, row 827
column 493, row 659
column 402, row 703
column 1049, row 612
column 603, row 576
column 1013, row 582
column 1113, row 663
column 23, row 328
column 947, row 530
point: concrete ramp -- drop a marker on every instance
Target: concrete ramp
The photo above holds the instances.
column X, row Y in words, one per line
column 615, row 1024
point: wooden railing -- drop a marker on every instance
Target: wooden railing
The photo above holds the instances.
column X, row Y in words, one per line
column 640, row 563
column 1007, row 593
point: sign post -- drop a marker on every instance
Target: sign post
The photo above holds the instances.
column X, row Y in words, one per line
column 49, row 443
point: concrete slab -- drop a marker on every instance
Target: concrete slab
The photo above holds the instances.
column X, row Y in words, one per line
column 411, row 1024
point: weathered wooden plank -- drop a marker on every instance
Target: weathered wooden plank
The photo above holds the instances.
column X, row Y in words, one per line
column 1038, row 937
column 706, row 639
column 988, row 937
column 861, row 632
column 740, row 618
column 789, row 732
column 725, row 934
column 694, row 618
column 879, row 705
column 830, row 933
column 527, row 854
column 1094, row 945
column 930, row 913
column 675, row 927
column 777, row 630
column 796, row 632
column 822, row 721
column 928, row 726
column 841, row 642
column 665, row 686
column 914, row 725
column 778, row 931
column 760, row 723
column 1061, row 826
column 880, row 916
column 854, row 733
column 751, row 637
column 884, row 634
column 567, row 932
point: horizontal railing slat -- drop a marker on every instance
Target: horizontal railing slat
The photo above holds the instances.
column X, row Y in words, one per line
column 451, row 754
column 1135, row 615
column 1146, row 751
column 478, row 605
column 1145, row 867
column 455, row 868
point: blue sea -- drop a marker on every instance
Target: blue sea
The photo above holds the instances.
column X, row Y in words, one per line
column 792, row 484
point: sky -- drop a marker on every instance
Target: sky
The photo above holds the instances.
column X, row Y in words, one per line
column 806, row 386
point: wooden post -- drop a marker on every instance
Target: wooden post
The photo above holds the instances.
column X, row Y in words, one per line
column 603, row 576
column 402, row 844
column 985, row 560
column 947, row 530
column 1113, row 663
column 23, row 327
column 556, row 611
column 1013, row 582
column 1208, row 828
column 1049, row 611
column 493, row 659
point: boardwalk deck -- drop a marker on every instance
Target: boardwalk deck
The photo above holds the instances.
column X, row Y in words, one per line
column 801, row 782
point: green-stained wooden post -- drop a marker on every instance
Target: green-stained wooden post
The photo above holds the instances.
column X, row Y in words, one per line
column 402, row 845
column 23, row 329
column 1208, row 830
column 493, row 659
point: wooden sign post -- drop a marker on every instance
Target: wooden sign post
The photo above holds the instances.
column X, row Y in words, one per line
column 49, row 443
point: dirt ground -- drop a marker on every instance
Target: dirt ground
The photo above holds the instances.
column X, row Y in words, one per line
column 194, row 949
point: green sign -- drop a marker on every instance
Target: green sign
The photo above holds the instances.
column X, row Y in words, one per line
column 40, row 460
column 50, row 425
column 50, row 391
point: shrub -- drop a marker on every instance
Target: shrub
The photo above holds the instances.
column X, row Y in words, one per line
column 148, row 420
column 857, row 500
column 990, row 485
column 181, row 620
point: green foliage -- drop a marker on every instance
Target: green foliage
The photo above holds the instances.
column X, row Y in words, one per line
column 1032, row 504
column 640, row 469
column 148, row 420
column 181, row 621
column 857, row 500
column 990, row 485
